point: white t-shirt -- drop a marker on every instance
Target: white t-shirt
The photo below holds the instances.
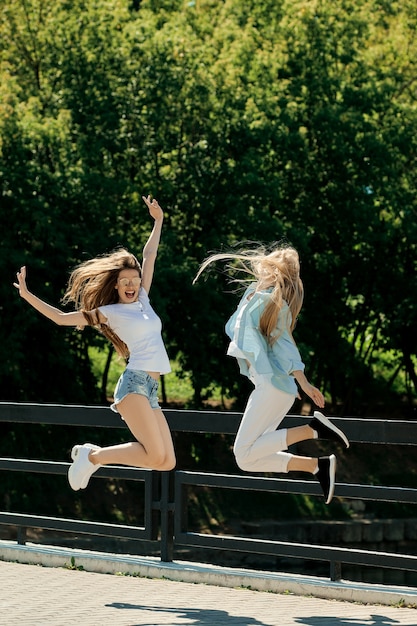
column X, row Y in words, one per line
column 137, row 324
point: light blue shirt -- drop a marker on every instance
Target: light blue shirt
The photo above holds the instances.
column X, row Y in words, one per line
column 248, row 345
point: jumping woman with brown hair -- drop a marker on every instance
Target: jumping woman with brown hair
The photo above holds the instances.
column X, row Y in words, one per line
column 260, row 333
column 110, row 292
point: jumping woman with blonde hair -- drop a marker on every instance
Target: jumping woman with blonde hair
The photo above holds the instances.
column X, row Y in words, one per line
column 261, row 340
column 110, row 292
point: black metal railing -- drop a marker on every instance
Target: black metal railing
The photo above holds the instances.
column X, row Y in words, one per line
column 165, row 493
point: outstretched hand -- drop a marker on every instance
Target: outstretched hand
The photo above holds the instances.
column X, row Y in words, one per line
column 21, row 280
column 310, row 390
column 315, row 394
column 154, row 209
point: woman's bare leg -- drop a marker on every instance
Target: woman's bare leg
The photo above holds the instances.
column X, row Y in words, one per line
column 301, row 463
column 153, row 447
column 299, row 433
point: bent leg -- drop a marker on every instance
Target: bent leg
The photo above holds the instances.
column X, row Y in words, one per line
column 259, row 446
column 153, row 447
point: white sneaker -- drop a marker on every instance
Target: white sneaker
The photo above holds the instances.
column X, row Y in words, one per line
column 327, row 430
column 82, row 469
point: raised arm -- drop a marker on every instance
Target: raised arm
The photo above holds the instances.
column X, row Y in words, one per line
column 75, row 318
column 150, row 250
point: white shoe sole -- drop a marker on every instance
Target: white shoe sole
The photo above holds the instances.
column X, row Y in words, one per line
column 326, row 422
column 74, row 454
column 332, row 476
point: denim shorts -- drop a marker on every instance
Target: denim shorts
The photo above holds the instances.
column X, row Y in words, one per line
column 136, row 381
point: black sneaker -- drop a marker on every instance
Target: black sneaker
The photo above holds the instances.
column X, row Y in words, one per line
column 326, row 430
column 326, row 476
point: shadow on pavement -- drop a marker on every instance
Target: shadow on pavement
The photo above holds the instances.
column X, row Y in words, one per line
column 198, row 617
column 373, row 620
column 208, row 617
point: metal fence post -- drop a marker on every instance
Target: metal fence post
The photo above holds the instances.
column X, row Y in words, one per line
column 335, row 571
column 155, row 494
column 21, row 535
column 167, row 516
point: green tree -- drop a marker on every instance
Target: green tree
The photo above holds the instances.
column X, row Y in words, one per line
column 254, row 120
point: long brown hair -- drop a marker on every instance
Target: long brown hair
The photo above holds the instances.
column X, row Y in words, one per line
column 92, row 284
column 279, row 269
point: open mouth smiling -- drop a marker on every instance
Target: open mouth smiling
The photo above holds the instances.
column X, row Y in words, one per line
column 128, row 287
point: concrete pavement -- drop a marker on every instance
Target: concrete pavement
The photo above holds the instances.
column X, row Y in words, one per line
column 98, row 589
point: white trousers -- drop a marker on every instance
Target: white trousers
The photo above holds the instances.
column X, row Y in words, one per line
column 259, row 446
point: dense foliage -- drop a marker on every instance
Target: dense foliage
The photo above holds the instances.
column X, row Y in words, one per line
column 247, row 120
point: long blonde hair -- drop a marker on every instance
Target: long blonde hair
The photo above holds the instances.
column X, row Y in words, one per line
column 92, row 284
column 279, row 269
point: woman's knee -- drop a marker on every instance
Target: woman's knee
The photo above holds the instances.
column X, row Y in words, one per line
column 155, row 458
column 161, row 459
column 242, row 458
column 167, row 463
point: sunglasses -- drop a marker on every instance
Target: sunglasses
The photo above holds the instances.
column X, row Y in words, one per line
column 125, row 282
